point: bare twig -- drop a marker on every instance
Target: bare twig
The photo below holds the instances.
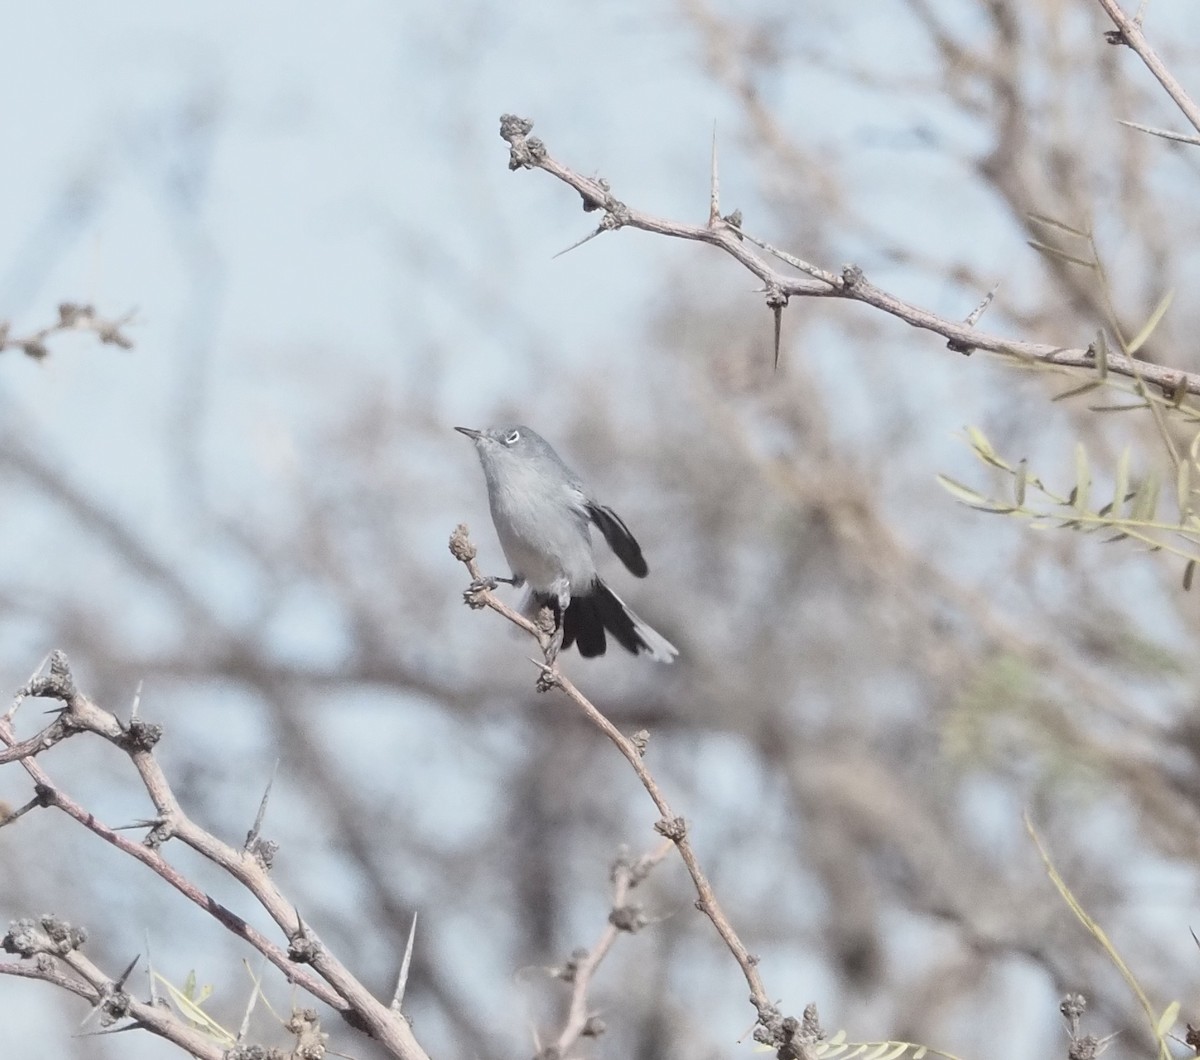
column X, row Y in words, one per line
column 674, row 828
column 23, row 693
column 771, row 1027
column 71, row 317
column 52, row 796
column 116, row 987
column 54, row 732
column 477, row 595
column 1072, row 1008
column 9, row 817
column 47, row 945
column 580, row 970
column 528, row 152
column 1129, row 31
column 343, row 992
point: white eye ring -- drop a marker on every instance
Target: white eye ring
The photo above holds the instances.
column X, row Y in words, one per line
column 512, row 437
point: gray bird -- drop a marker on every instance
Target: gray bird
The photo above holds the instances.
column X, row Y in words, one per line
column 543, row 514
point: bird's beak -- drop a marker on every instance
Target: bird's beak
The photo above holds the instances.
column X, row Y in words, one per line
column 470, row 432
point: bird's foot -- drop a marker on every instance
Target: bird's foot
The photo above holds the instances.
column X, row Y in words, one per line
column 473, row 596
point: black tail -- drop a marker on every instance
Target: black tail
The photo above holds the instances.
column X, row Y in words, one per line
column 589, row 617
column 584, row 624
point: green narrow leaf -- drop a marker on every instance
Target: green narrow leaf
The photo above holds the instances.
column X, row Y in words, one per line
column 193, row 1012
column 1093, row 928
column 1188, row 572
column 1019, row 481
column 1156, row 316
column 1121, row 487
column 920, row 1053
column 983, row 449
column 1083, row 479
column 1062, row 255
column 980, row 443
column 899, row 1049
column 1145, row 500
column 837, row 1038
column 971, row 499
column 1118, row 408
column 1075, row 391
column 1183, row 489
column 961, row 492
column 1167, row 1020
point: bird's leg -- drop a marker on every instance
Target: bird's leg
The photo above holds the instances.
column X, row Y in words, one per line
column 488, row 583
column 549, row 624
column 555, row 645
column 559, row 602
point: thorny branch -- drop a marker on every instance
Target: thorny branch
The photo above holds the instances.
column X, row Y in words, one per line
column 136, row 738
column 849, row 283
column 49, row 944
column 1129, row 31
column 787, row 1034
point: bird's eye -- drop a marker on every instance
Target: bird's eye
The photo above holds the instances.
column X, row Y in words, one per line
column 512, row 437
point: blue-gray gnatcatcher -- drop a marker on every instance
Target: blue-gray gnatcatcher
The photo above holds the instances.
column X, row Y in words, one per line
column 542, row 514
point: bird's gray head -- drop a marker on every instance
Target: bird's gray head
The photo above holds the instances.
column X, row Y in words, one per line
column 509, row 448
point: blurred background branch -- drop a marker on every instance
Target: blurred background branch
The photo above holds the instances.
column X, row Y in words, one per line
column 71, row 317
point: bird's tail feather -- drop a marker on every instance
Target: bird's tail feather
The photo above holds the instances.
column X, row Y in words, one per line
column 589, row 616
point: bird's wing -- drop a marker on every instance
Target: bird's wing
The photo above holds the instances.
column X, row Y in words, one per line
column 619, row 539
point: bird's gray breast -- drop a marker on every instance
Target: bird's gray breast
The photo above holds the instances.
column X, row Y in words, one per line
column 543, row 528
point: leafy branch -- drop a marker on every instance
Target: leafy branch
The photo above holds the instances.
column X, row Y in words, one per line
column 837, row 1048
column 1130, row 512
